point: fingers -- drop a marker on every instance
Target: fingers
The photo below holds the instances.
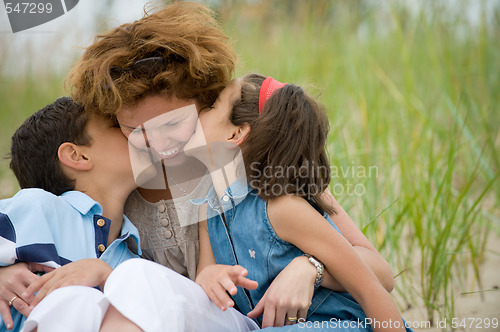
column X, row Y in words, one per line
column 238, row 274
column 258, row 310
column 48, row 287
column 6, row 316
column 247, row 283
column 34, row 287
column 228, row 285
column 21, row 306
column 291, row 317
column 17, row 283
column 219, row 296
column 35, row 267
column 236, row 271
column 279, row 318
column 302, row 314
column 269, row 314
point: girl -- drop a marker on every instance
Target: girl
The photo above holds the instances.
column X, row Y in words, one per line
column 280, row 213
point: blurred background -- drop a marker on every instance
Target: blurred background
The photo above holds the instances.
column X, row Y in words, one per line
column 412, row 92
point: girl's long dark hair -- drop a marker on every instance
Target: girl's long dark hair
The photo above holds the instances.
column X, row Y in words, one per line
column 284, row 152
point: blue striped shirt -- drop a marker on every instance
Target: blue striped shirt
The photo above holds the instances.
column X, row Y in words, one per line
column 37, row 226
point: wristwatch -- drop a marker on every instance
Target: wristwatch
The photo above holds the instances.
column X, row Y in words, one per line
column 319, row 267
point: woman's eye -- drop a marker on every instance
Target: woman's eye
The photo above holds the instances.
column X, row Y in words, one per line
column 136, row 131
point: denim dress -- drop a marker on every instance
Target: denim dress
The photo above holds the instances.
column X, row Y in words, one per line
column 247, row 238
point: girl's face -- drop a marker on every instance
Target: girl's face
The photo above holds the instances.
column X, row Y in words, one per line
column 216, row 122
column 214, row 139
column 161, row 126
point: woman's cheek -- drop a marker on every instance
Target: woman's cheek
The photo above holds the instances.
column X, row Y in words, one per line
column 137, row 141
column 184, row 133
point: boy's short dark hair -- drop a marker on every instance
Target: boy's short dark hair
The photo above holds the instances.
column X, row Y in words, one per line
column 35, row 143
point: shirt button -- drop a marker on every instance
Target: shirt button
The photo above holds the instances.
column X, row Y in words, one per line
column 164, row 222
column 162, row 208
column 167, row 233
column 225, row 198
column 101, row 222
column 101, row 247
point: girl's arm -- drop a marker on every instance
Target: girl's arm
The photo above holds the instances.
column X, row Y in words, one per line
column 296, row 221
column 206, row 253
column 361, row 245
column 216, row 279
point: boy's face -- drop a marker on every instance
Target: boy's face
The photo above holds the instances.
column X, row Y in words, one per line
column 109, row 150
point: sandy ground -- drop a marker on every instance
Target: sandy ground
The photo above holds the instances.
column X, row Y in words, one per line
column 471, row 309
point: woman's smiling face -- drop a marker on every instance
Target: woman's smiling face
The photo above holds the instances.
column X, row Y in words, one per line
column 161, row 125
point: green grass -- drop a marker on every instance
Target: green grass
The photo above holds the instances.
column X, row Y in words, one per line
column 409, row 95
column 412, row 94
column 19, row 98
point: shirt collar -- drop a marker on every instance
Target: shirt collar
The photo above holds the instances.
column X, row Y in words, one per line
column 237, row 192
column 81, row 202
column 128, row 229
column 84, row 204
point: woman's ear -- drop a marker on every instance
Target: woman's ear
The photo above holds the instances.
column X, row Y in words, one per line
column 239, row 134
column 74, row 157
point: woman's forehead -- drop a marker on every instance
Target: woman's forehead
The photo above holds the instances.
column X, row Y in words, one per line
column 151, row 107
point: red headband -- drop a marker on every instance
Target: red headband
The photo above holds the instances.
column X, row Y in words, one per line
column 266, row 90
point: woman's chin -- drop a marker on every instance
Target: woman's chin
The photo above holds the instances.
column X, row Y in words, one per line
column 176, row 161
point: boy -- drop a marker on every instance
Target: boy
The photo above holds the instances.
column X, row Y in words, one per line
column 75, row 174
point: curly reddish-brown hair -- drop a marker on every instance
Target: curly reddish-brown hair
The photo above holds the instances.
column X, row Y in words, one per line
column 199, row 60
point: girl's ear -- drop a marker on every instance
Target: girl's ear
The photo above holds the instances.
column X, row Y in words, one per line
column 74, row 157
column 239, row 134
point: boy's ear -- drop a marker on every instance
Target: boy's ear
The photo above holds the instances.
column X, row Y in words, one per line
column 239, row 134
column 74, row 156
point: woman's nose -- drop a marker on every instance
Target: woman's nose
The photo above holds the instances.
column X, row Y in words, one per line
column 158, row 138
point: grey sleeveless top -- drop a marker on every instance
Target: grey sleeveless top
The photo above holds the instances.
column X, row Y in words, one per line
column 168, row 229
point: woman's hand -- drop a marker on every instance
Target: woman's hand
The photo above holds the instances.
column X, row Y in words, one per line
column 288, row 296
column 216, row 279
column 90, row 272
column 14, row 280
